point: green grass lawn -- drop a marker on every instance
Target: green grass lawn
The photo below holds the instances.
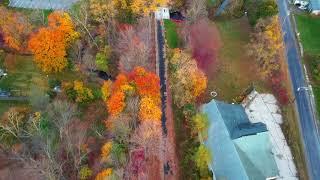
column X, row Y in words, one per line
column 22, row 73
column 172, row 37
column 235, row 71
column 309, row 28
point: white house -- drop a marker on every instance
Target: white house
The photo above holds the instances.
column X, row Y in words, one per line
column 312, row 5
column 315, row 6
column 162, row 13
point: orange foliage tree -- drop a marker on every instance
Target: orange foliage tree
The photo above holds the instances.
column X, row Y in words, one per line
column 104, row 174
column 116, row 103
column 147, row 83
column 50, row 43
column 14, row 28
column 141, row 83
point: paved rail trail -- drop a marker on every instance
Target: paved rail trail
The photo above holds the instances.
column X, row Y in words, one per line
column 170, row 160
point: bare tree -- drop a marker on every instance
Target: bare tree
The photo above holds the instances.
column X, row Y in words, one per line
column 134, row 46
column 148, row 135
column 74, row 137
column 80, row 13
column 197, row 10
column 61, row 112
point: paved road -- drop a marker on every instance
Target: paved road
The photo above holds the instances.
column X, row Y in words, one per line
column 14, row 98
column 307, row 118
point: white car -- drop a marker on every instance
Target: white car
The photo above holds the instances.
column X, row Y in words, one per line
column 301, row 4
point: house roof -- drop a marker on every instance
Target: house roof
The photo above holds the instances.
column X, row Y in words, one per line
column 315, row 4
column 241, row 150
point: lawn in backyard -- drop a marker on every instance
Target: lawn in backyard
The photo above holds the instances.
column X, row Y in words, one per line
column 309, row 28
column 236, row 70
column 171, row 34
column 22, row 73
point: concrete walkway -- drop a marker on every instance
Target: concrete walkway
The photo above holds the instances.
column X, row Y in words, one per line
column 42, row 4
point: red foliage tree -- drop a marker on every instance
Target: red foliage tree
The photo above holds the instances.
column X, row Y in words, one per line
column 204, row 42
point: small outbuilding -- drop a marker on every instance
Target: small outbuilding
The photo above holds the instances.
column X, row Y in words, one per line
column 162, row 13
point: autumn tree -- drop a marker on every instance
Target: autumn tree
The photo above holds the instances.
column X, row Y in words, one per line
column 149, row 110
column 102, row 10
column 50, row 43
column 188, row 80
column 104, row 174
column 106, row 89
column 147, row 83
column 105, row 151
column 265, row 44
column 202, row 158
column 145, row 7
column 140, row 83
column 200, row 124
column 116, row 103
column 15, row 28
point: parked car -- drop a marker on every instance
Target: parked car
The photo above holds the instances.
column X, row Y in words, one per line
column 4, row 93
column 301, row 4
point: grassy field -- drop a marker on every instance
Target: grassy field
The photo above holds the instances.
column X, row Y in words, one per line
column 236, row 71
column 22, row 73
column 309, row 28
column 171, row 34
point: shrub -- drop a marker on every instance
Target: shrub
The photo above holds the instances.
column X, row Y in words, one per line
column 260, row 9
column 85, row 173
column 202, row 158
column 102, row 61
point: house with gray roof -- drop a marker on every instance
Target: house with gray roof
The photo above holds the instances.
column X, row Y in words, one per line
column 314, row 6
column 241, row 149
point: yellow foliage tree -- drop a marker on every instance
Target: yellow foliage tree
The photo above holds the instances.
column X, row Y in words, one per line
column 145, row 7
column 102, row 10
column 83, row 94
column 149, row 110
column 189, row 80
column 105, row 151
column 106, row 90
column 49, row 44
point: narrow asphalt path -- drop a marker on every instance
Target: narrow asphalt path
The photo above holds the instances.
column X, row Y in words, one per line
column 307, row 118
column 162, row 75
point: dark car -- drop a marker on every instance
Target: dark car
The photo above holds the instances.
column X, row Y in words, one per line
column 4, row 93
column 177, row 16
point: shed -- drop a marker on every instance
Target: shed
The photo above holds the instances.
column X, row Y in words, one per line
column 162, row 13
